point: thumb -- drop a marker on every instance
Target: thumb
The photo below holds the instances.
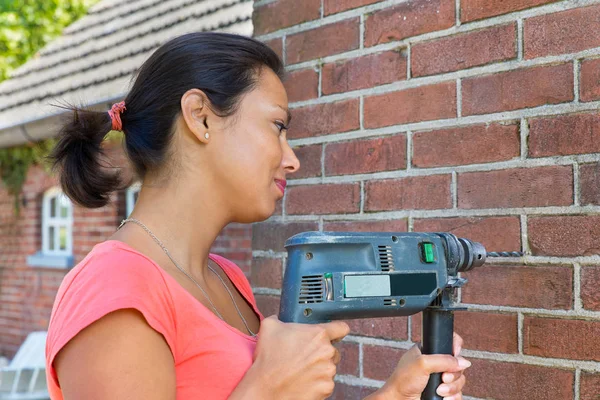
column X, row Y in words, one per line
column 433, row 363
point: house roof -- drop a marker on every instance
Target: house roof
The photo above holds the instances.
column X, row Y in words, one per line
column 93, row 62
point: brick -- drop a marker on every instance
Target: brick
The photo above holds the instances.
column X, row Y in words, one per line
column 336, row 6
column 589, row 87
column 395, row 225
column 366, row 156
column 418, row 104
column 564, row 236
column 589, row 181
column 302, row 85
column 323, row 199
column 471, row 10
column 466, row 145
column 324, row 119
column 495, row 233
column 395, row 328
column 561, row 338
column 349, row 362
column 487, row 331
column 323, row 41
column 564, row 135
column 347, row 392
column 379, row 362
column 310, row 161
column 284, row 13
column 513, row 90
column 272, row 236
column 590, row 386
column 267, row 305
column 561, row 32
column 548, row 287
column 408, row 19
column 412, row 193
column 266, row 272
column 464, row 51
column 364, row 72
column 590, row 295
column 490, row 380
column 277, row 46
column 518, row 187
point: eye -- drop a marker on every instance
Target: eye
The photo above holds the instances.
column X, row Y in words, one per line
column 281, row 126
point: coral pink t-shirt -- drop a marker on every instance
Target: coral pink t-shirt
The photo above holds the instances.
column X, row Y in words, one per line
column 211, row 357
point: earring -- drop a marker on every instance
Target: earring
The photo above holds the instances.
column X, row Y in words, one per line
column 206, row 135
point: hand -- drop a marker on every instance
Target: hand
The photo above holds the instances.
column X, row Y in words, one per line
column 298, row 361
column 412, row 374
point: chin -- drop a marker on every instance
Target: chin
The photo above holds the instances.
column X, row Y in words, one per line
column 256, row 215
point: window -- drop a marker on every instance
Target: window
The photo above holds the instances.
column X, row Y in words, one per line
column 57, row 232
column 57, row 222
column 131, row 197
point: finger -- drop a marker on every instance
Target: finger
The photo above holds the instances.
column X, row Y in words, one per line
column 433, row 363
column 336, row 330
column 457, row 344
column 455, row 397
column 337, row 357
column 448, row 377
column 451, row 389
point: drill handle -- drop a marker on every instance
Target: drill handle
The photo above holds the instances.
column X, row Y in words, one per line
column 438, row 335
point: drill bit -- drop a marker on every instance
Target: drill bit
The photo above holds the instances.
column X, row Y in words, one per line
column 505, row 254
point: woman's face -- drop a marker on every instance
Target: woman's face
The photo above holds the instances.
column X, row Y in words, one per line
column 255, row 157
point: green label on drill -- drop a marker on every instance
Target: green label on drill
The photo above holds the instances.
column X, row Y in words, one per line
column 427, row 250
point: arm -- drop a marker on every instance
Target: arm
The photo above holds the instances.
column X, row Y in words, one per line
column 117, row 357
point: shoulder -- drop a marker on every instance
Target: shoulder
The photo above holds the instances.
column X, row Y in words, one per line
column 112, row 277
column 235, row 273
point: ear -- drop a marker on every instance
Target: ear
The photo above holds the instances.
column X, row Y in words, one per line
column 195, row 112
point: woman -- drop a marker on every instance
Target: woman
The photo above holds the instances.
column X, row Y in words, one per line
column 150, row 314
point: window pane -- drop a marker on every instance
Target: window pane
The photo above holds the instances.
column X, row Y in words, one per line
column 51, row 238
column 62, row 238
column 64, row 206
column 135, row 196
column 53, row 207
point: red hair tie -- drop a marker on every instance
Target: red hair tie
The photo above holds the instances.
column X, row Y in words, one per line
column 115, row 115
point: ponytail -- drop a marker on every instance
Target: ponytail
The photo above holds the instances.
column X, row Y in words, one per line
column 79, row 159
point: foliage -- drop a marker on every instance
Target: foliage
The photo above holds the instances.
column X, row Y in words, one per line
column 15, row 162
column 27, row 25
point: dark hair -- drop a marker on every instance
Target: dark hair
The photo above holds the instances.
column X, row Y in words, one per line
column 224, row 66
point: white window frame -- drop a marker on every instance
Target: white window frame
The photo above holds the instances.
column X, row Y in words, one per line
column 57, row 222
column 130, row 197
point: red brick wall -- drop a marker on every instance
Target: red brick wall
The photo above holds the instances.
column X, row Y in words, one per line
column 27, row 293
column 469, row 116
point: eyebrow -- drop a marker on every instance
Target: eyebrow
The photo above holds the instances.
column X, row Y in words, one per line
column 289, row 114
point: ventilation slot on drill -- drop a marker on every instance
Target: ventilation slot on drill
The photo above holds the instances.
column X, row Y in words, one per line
column 385, row 258
column 312, row 289
column 390, row 302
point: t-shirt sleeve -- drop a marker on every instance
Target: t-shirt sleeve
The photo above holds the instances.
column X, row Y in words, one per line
column 107, row 282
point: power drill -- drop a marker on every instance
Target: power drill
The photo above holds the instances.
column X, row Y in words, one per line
column 349, row 275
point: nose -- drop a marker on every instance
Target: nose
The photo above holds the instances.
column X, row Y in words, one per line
column 289, row 161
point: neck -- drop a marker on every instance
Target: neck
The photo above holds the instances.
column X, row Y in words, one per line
column 185, row 222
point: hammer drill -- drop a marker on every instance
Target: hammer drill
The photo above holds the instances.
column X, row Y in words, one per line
column 349, row 275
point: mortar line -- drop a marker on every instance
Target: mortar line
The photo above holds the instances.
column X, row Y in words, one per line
column 322, row 9
column 576, row 185
column 458, row 98
column 323, row 150
column 457, row 13
column 284, row 50
column 578, row 304
column 409, row 150
column 576, row 79
column 362, row 197
column 520, row 319
column 577, row 394
column 410, row 223
column 320, row 84
column 361, row 28
column 408, row 61
column 360, row 360
column 520, row 39
column 361, row 112
column 524, row 234
column 524, row 131
column 454, row 190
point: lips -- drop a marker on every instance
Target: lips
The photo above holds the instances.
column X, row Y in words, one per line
column 281, row 184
